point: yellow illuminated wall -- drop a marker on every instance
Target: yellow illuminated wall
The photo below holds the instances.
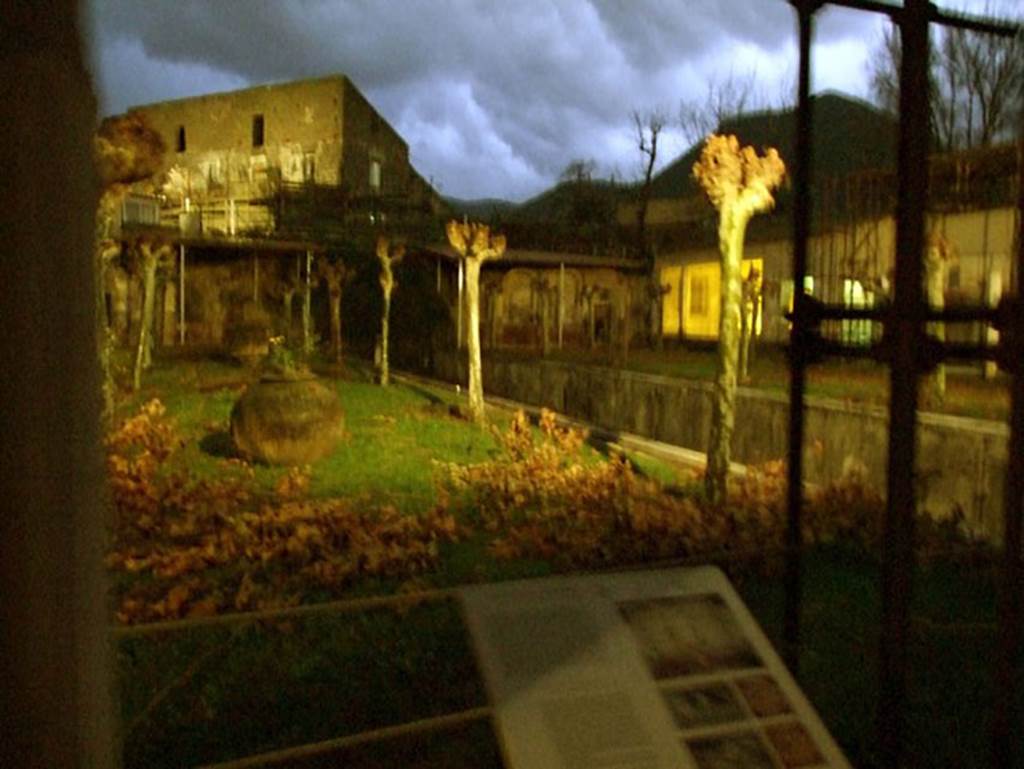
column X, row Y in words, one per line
column 702, row 296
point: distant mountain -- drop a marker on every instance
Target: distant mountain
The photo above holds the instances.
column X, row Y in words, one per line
column 849, row 135
column 481, row 209
column 558, row 202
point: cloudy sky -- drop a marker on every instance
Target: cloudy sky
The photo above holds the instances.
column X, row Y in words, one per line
column 494, row 97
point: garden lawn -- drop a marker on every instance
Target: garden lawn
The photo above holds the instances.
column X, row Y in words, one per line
column 211, row 694
column 277, row 684
column 394, row 434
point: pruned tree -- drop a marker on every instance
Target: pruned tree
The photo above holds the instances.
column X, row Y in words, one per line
column 126, row 150
column 749, row 312
column 647, row 128
column 976, row 84
column 738, row 182
column 335, row 275
column 389, row 255
column 287, row 285
column 940, row 255
column 151, row 256
column 543, row 295
column 475, row 245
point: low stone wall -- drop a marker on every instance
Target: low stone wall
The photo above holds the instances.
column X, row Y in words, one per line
column 961, row 462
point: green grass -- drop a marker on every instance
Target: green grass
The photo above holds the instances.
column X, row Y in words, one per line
column 268, row 686
column 394, row 434
column 274, row 685
column 213, row 694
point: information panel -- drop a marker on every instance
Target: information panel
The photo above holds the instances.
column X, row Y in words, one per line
column 638, row 670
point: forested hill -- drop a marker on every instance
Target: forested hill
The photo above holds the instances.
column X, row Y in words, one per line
column 849, row 135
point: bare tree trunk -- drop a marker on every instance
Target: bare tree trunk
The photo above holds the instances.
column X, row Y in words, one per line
column 476, row 379
column 384, row 322
column 591, row 324
column 104, row 338
column 723, row 404
column 307, row 316
column 335, row 296
column 935, row 282
column 654, row 317
column 289, row 296
column 744, row 353
column 626, row 327
column 146, row 323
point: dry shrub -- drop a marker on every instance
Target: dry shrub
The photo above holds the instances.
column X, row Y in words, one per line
column 197, row 546
column 540, row 499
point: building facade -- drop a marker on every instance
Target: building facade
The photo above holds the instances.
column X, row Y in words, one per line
column 268, row 158
column 852, row 247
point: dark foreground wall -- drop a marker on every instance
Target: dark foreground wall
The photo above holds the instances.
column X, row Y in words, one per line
column 961, row 462
column 56, row 707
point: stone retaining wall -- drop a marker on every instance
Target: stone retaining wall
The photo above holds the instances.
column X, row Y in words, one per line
column 961, row 461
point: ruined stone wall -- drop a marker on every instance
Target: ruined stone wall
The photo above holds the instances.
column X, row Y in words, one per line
column 367, row 138
column 302, row 125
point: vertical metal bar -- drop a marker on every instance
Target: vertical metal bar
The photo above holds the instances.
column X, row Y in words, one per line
column 307, row 338
column 1006, row 716
column 797, row 364
column 181, row 295
column 904, row 330
column 561, row 301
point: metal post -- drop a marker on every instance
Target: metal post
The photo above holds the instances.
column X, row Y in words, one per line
column 561, row 301
column 307, row 340
column 903, row 335
column 1006, row 717
column 797, row 362
column 181, row 294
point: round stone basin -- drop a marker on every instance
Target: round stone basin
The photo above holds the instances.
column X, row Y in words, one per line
column 287, row 419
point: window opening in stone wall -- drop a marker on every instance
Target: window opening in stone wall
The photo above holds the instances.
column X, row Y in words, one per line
column 257, row 130
column 375, row 175
column 181, row 138
column 856, row 331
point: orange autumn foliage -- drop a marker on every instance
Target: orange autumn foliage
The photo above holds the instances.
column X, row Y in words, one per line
column 208, row 546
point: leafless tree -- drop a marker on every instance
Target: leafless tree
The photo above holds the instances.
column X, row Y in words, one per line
column 723, row 98
column 152, row 255
column 647, row 128
column 976, row 84
column 335, row 274
column 389, row 254
column 126, row 151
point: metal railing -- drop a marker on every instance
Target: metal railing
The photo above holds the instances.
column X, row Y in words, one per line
column 909, row 352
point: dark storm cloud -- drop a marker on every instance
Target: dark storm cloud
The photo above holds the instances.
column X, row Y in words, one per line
column 494, row 98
